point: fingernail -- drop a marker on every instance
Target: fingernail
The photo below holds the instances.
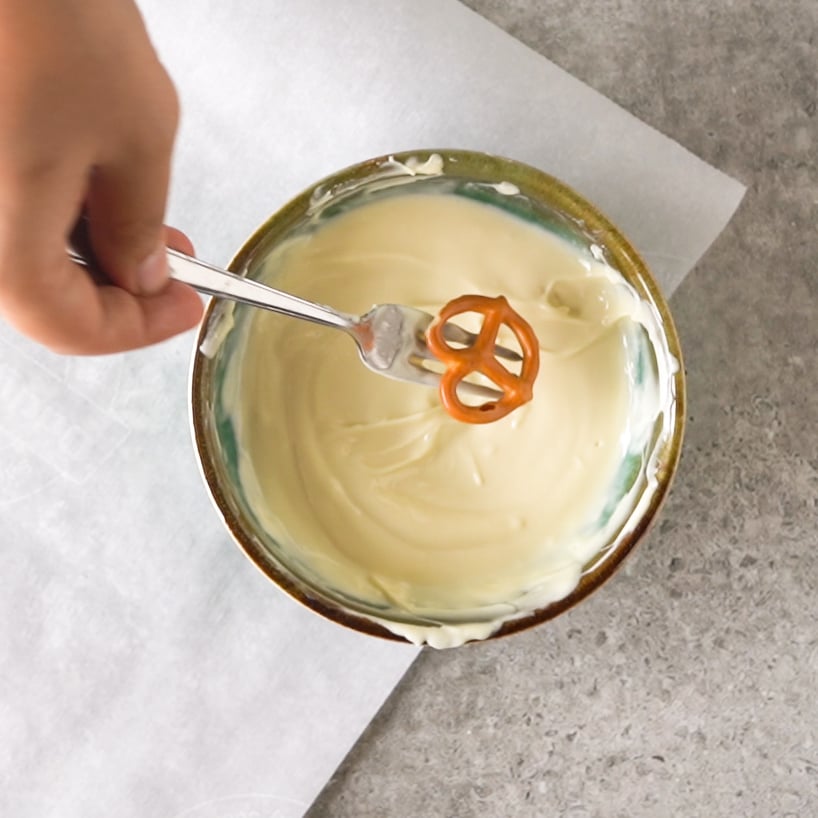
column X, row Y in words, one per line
column 152, row 273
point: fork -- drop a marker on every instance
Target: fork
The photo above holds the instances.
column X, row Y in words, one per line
column 391, row 338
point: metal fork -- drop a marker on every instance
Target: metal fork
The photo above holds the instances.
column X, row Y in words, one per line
column 391, row 338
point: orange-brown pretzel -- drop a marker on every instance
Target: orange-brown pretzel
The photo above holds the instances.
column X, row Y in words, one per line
column 480, row 357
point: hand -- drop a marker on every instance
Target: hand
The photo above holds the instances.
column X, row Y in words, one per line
column 87, row 121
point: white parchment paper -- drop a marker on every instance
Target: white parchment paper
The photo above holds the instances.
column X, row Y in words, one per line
column 146, row 668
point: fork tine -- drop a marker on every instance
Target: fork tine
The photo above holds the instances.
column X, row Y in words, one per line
column 422, row 375
column 422, row 351
column 430, row 378
column 476, row 390
column 457, row 335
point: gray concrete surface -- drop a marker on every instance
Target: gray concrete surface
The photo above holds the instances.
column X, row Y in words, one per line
column 687, row 686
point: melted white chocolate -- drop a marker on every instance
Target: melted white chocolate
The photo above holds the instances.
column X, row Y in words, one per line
column 370, row 486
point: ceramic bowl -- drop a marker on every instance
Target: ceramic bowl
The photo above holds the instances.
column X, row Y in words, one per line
column 645, row 472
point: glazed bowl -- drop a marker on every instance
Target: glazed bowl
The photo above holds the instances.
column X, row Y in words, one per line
column 648, row 462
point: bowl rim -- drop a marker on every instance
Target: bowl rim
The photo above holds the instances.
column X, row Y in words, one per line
column 555, row 194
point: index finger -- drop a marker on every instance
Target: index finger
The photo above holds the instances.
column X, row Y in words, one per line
column 55, row 302
column 81, row 318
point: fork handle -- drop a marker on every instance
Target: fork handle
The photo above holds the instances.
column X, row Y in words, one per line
column 212, row 280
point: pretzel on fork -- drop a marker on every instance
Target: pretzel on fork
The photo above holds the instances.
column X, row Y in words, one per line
column 517, row 389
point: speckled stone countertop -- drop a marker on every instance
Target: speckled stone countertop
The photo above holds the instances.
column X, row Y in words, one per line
column 687, row 685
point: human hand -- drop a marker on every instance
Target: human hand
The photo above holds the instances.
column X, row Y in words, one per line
column 87, row 121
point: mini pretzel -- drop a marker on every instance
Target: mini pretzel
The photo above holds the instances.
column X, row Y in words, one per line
column 480, row 357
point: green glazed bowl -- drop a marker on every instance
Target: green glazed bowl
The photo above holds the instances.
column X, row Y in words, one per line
column 646, row 470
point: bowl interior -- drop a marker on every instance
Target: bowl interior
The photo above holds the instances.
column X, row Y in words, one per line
column 653, row 449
